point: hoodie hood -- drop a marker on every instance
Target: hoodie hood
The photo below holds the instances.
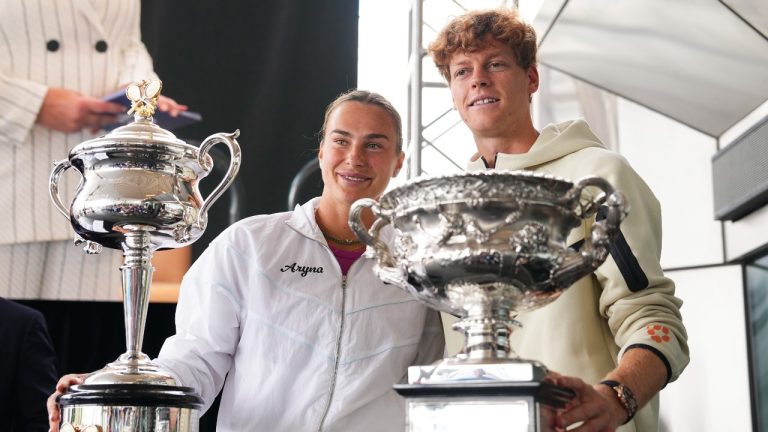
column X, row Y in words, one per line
column 554, row 142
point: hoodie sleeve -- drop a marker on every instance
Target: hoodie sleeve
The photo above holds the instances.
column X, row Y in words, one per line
column 637, row 299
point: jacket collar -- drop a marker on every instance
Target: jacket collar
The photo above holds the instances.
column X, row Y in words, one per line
column 303, row 221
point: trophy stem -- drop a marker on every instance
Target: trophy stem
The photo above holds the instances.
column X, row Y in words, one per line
column 487, row 335
column 137, row 276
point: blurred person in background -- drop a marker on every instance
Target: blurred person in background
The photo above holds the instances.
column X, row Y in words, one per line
column 58, row 59
column 27, row 368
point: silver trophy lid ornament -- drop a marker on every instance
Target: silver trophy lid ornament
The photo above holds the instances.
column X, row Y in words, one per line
column 138, row 193
column 484, row 246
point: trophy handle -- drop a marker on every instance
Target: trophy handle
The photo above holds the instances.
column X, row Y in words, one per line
column 587, row 209
column 53, row 184
column 234, row 166
column 371, row 238
column 612, row 200
column 385, row 268
column 612, row 208
column 53, row 190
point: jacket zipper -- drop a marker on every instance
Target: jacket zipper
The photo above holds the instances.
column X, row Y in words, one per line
column 338, row 354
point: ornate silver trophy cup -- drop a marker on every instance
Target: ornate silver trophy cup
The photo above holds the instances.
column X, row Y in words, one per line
column 484, row 246
column 138, row 193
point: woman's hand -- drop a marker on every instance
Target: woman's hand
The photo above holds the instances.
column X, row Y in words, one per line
column 170, row 106
column 54, row 415
column 68, row 111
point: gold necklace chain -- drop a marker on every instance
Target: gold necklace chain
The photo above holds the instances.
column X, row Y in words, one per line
column 343, row 242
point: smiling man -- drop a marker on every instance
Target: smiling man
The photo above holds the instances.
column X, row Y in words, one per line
column 617, row 335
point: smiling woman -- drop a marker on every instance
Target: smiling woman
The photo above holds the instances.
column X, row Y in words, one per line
column 274, row 301
column 359, row 152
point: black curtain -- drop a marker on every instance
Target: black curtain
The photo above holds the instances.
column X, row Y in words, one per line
column 88, row 335
column 268, row 68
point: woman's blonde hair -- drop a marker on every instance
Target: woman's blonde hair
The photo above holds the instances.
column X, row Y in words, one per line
column 370, row 98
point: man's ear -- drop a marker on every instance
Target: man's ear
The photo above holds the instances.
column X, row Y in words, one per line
column 533, row 79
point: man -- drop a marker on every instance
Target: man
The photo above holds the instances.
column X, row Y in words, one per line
column 617, row 335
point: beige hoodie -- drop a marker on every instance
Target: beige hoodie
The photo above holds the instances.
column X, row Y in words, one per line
column 586, row 331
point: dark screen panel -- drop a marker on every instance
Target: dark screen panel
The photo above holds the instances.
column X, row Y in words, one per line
column 757, row 317
column 266, row 68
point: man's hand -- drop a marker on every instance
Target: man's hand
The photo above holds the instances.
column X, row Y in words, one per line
column 596, row 407
column 68, row 111
column 54, row 415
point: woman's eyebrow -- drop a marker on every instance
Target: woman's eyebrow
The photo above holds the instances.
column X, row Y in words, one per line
column 341, row 132
column 374, row 135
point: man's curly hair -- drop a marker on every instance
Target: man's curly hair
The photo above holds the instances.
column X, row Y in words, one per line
column 469, row 32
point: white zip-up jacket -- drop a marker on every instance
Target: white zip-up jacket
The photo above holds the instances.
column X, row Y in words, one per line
column 266, row 313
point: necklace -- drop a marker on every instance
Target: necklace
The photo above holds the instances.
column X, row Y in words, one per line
column 343, row 242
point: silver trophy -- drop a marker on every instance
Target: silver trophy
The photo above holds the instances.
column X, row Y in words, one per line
column 484, row 246
column 139, row 193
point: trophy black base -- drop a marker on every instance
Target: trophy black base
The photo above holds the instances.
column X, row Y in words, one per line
column 129, row 408
column 508, row 406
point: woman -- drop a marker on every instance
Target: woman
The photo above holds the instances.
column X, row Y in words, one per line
column 284, row 312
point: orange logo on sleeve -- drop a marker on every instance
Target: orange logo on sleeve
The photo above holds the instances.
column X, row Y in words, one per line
column 658, row 333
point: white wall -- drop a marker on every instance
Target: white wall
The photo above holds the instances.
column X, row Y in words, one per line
column 675, row 161
column 712, row 395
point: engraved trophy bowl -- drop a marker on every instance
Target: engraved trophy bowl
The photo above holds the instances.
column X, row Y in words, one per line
column 138, row 193
column 484, row 246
